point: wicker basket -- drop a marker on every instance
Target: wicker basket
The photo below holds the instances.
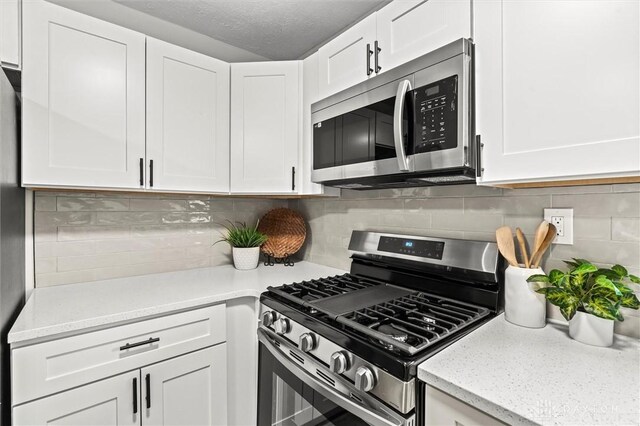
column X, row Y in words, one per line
column 286, row 231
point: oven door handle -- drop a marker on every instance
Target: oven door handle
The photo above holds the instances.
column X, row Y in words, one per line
column 371, row 413
column 403, row 88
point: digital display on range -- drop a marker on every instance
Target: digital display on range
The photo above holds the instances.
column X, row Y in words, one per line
column 420, row 248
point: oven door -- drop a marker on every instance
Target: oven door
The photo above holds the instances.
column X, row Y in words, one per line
column 289, row 395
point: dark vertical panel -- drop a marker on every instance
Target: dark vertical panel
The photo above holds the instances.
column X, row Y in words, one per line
column 12, row 238
column 358, row 130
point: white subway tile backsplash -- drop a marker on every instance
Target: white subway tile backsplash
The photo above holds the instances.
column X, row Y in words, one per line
column 91, row 236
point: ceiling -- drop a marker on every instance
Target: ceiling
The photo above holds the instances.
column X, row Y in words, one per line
column 274, row 29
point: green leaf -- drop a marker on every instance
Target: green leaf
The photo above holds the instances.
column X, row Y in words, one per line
column 538, row 278
column 634, row 279
column 602, row 308
column 629, row 300
column 556, row 277
column 584, row 268
column 570, row 263
column 620, row 270
column 603, row 282
column 566, row 301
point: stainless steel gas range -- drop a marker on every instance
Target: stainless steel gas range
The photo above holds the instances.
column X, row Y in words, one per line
column 344, row 350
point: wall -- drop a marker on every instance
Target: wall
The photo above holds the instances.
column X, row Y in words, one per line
column 606, row 222
column 91, row 236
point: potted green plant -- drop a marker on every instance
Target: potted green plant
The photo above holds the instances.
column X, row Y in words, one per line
column 245, row 242
column 589, row 298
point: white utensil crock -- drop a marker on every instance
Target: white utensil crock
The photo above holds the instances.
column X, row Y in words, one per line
column 592, row 330
column 245, row 257
column 522, row 305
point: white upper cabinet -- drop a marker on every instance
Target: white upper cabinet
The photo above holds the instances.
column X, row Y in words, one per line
column 187, row 120
column 83, row 100
column 265, row 126
column 348, row 59
column 11, row 34
column 557, row 88
column 407, row 29
column 399, row 32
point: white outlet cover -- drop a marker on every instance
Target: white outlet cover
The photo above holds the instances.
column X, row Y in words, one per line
column 567, row 214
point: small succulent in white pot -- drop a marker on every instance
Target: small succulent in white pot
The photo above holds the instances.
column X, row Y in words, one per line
column 589, row 298
column 245, row 242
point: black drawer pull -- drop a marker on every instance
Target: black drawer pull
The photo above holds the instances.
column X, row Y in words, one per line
column 147, row 380
column 135, row 395
column 144, row 342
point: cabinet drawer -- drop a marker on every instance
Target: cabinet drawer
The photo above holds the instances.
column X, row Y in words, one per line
column 49, row 367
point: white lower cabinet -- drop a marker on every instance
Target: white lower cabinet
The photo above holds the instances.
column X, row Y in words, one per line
column 114, row 401
column 170, row 370
column 188, row 390
column 442, row 409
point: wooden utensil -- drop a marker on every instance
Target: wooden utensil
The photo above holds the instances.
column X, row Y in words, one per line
column 541, row 232
column 537, row 257
column 504, row 237
column 523, row 247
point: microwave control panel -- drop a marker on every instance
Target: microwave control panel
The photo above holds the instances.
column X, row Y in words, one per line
column 436, row 115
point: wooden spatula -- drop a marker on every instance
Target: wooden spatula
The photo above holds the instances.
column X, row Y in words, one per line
column 546, row 242
column 504, row 237
column 523, row 247
column 541, row 232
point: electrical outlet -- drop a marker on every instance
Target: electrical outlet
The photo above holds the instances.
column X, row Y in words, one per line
column 562, row 219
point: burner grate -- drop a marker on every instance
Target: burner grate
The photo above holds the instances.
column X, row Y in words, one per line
column 418, row 320
column 319, row 289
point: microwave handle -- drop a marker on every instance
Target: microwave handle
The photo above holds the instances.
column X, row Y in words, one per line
column 403, row 88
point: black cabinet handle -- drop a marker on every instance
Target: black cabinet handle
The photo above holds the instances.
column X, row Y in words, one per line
column 377, row 50
column 147, row 381
column 151, row 173
column 142, row 172
column 293, row 178
column 135, row 395
column 144, row 342
column 479, row 146
column 369, row 53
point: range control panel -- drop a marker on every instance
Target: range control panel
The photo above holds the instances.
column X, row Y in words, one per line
column 411, row 247
column 436, row 115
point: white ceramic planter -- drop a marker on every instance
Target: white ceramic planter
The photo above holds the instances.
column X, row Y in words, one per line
column 590, row 329
column 522, row 305
column 245, row 257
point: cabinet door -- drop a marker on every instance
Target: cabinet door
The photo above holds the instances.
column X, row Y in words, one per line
column 187, row 119
column 188, row 390
column 83, row 100
column 557, row 86
column 343, row 60
column 265, row 126
column 408, row 29
column 114, row 401
column 444, row 410
column 10, row 33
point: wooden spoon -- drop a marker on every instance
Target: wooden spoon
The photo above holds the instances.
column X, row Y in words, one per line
column 537, row 256
column 523, row 247
column 541, row 232
column 504, row 237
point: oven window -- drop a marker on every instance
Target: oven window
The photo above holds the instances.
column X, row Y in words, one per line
column 284, row 399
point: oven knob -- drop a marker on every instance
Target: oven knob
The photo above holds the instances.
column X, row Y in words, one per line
column 365, row 380
column 338, row 363
column 268, row 318
column 282, row 326
column 307, row 342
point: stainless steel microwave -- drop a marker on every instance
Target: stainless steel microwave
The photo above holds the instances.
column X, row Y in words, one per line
column 411, row 126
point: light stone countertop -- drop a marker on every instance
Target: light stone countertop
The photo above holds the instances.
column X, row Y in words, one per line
column 526, row 376
column 75, row 307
